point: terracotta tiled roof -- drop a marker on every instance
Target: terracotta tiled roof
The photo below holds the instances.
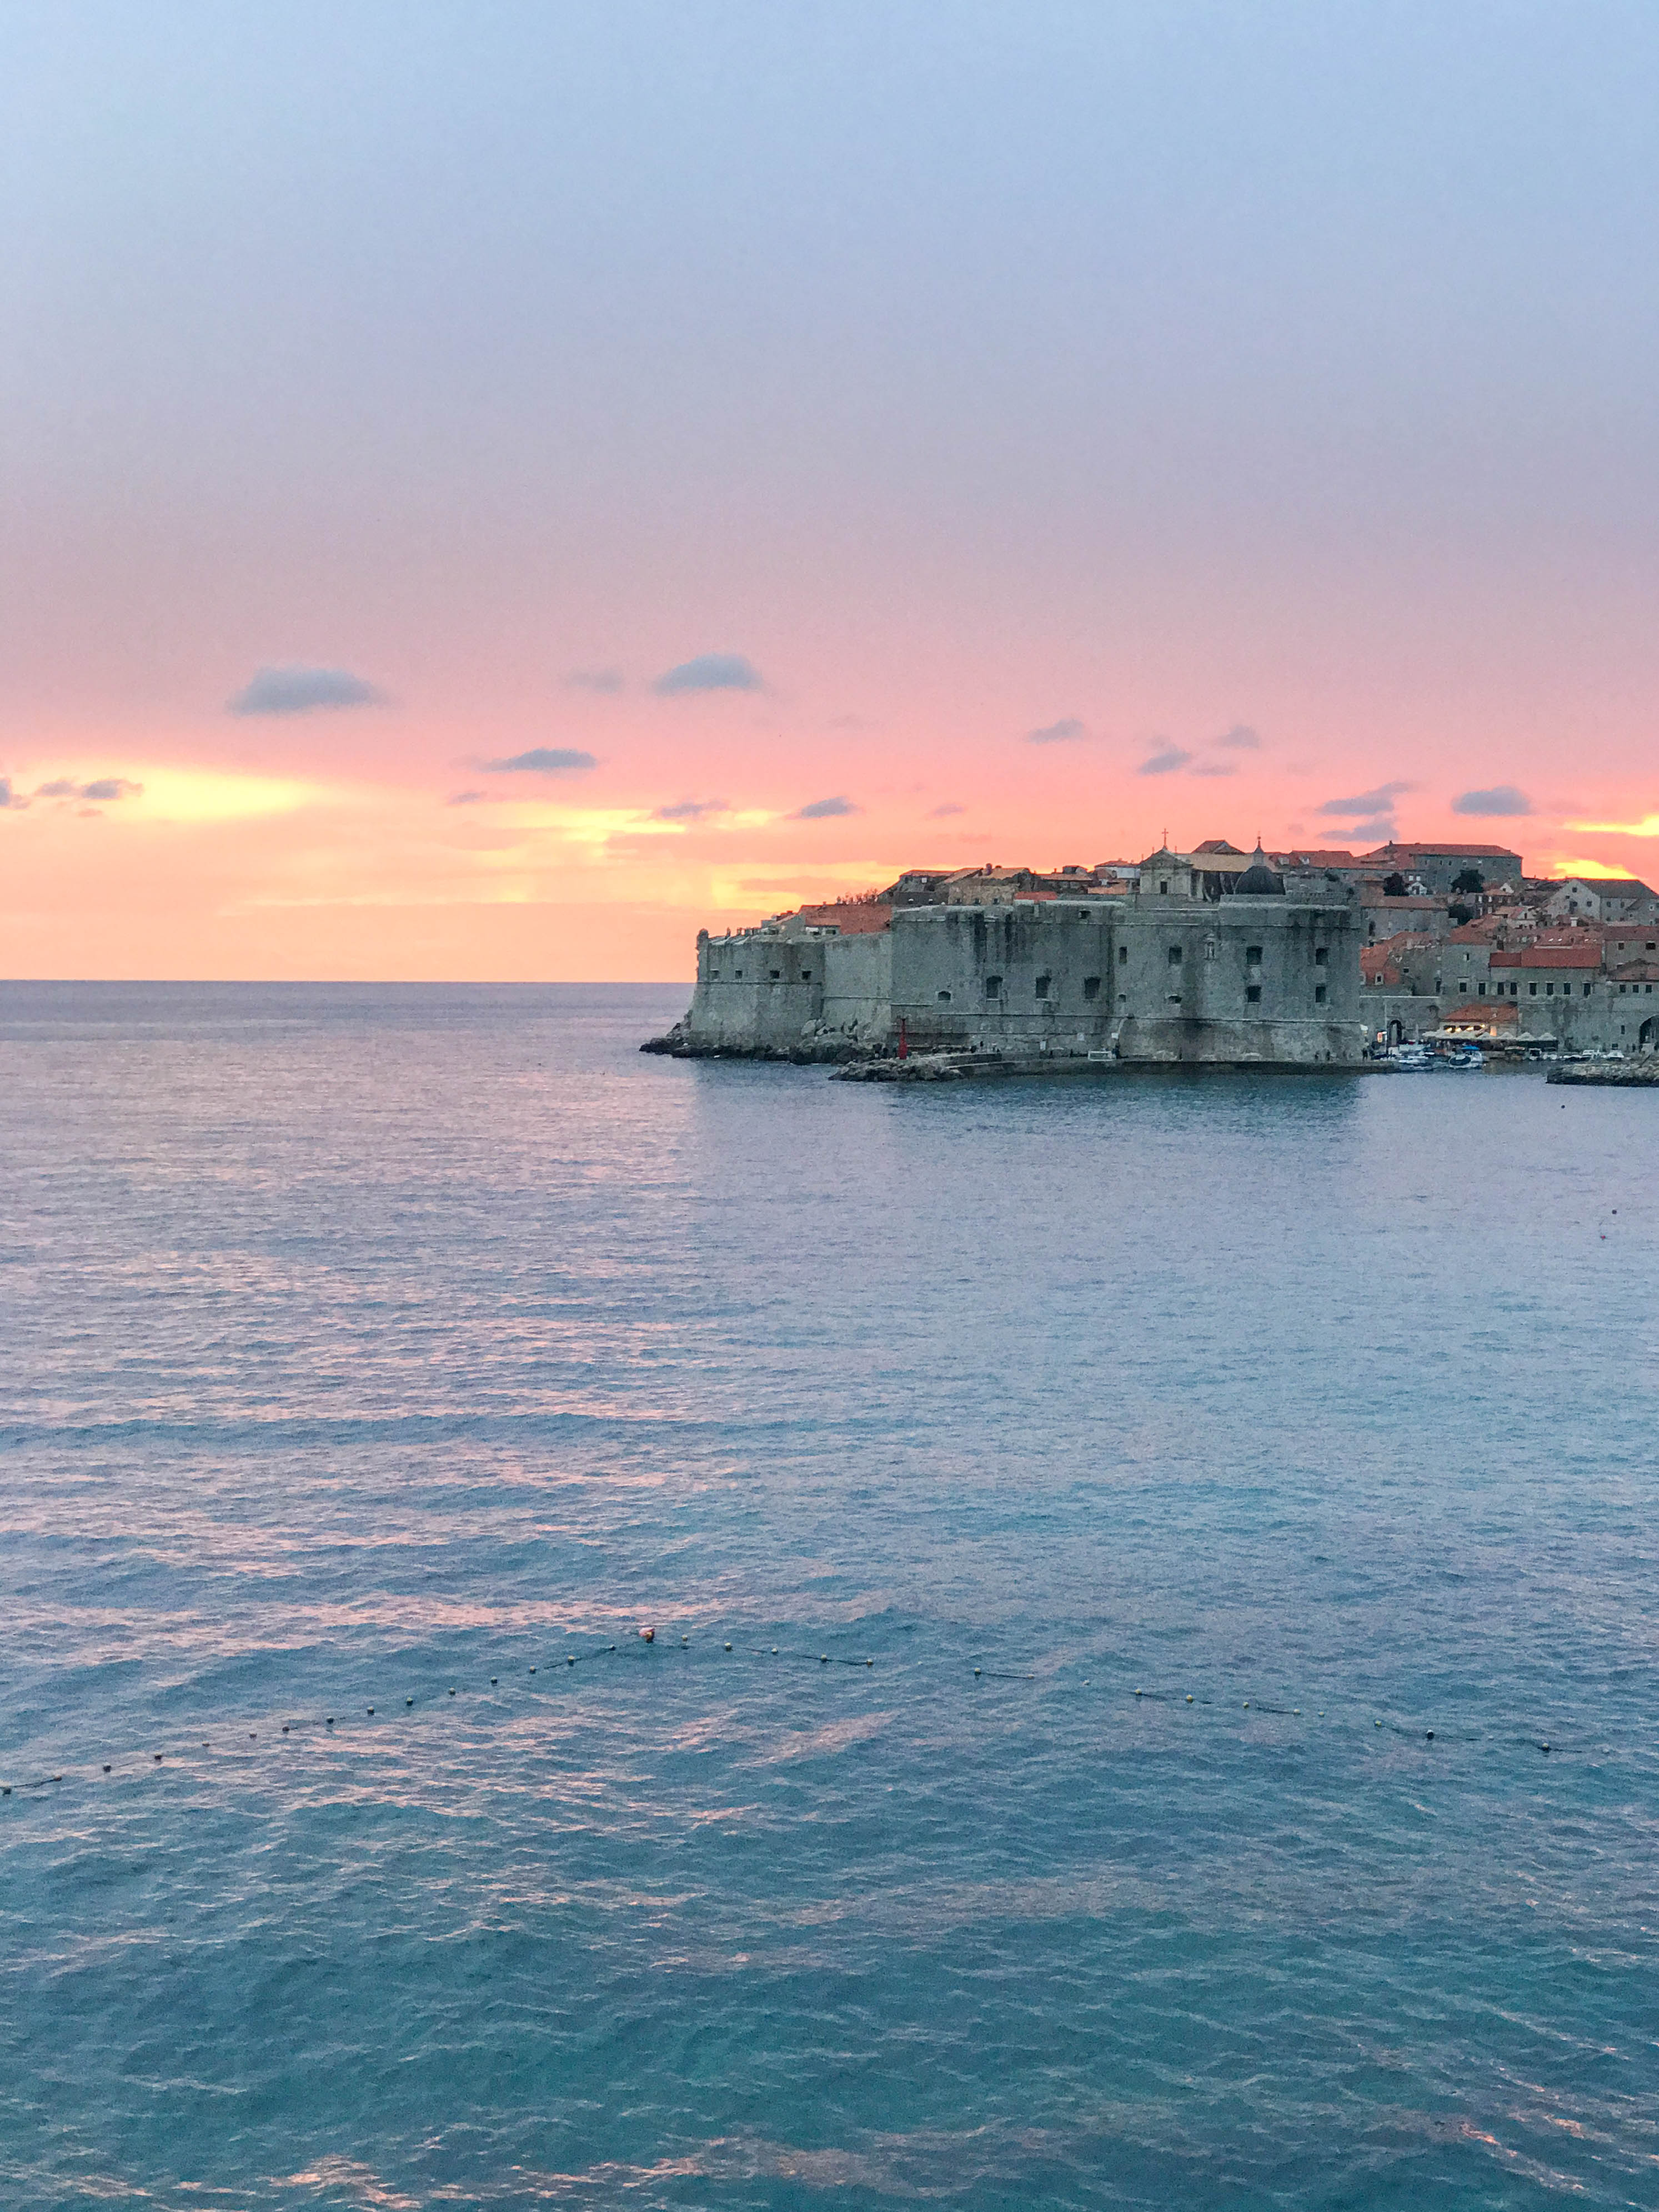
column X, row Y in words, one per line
column 1548, row 955
column 852, row 917
column 1445, row 851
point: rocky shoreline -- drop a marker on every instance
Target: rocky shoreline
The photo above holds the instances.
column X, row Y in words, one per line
column 677, row 1044
column 1623, row 1075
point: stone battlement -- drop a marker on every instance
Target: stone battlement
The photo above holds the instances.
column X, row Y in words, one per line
column 1177, row 971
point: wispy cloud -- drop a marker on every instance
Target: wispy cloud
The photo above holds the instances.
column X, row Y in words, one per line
column 1216, row 768
column 710, row 672
column 1063, row 732
column 690, row 810
column 938, row 813
column 1164, row 761
column 594, row 679
column 1241, row 739
column 824, row 810
column 542, row 760
column 1378, row 802
column 9, row 798
column 466, row 799
column 1502, row 799
column 101, row 787
column 1382, row 830
column 303, row 691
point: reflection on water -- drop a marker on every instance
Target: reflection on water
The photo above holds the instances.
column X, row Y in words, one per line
column 365, row 1346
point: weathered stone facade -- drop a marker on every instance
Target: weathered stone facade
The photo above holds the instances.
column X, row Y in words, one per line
column 1173, row 970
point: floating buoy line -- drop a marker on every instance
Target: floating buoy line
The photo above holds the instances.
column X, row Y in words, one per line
column 332, row 1726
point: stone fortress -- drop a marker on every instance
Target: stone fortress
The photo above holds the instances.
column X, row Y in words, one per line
column 1215, row 956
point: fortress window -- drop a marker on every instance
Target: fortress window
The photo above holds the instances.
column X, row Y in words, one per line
column 777, row 972
column 1175, row 955
column 944, row 998
column 806, row 975
column 1252, row 955
column 993, row 987
column 1321, row 955
column 1253, row 994
column 1164, row 890
column 1122, row 956
column 1091, row 986
column 739, row 973
column 1319, row 994
column 1042, row 982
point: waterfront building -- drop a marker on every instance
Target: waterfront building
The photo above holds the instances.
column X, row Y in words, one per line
column 1197, row 959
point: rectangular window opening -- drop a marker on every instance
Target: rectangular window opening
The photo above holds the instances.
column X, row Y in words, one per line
column 1252, row 955
column 1253, row 994
column 1042, row 982
column 1091, row 986
column 993, row 987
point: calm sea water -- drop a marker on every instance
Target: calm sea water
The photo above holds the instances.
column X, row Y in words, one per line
column 371, row 1348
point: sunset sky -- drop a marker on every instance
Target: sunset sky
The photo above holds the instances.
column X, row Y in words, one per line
column 489, row 488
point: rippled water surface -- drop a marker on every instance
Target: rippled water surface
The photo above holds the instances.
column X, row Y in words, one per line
column 392, row 1349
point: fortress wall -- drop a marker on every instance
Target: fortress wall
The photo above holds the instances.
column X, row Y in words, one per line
column 1023, row 978
column 1185, row 976
column 858, row 988
column 756, row 992
column 1247, row 980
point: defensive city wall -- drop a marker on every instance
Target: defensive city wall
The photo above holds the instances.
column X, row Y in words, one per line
column 1182, row 965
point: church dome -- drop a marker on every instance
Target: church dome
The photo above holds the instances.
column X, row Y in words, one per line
column 1259, row 880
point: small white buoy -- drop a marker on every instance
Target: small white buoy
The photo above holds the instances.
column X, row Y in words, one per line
column 647, row 1636
column 1189, row 1697
column 823, row 1658
column 410, row 1701
column 976, row 1670
column 869, row 1662
column 728, row 1647
column 1140, row 1693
